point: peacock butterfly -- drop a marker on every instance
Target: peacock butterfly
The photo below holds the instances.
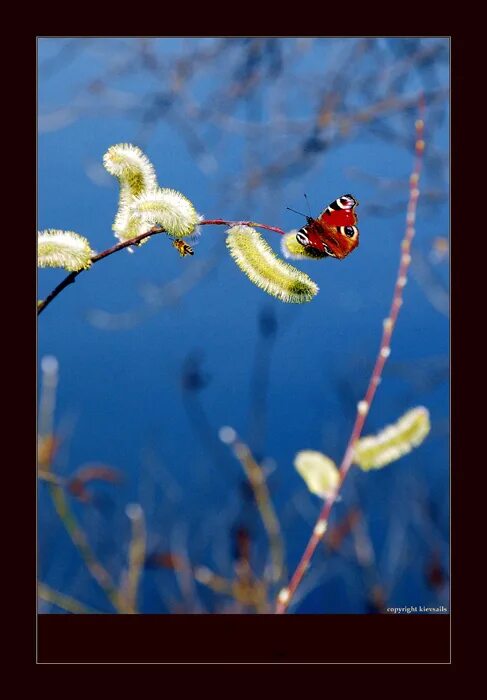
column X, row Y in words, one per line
column 334, row 233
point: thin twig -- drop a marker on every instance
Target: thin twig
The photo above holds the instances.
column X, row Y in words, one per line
column 286, row 594
column 137, row 240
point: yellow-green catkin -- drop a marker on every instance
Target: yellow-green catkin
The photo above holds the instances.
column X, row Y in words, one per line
column 319, row 472
column 134, row 171
column 258, row 261
column 169, row 209
column 292, row 249
column 136, row 176
column 65, row 249
column 394, row 441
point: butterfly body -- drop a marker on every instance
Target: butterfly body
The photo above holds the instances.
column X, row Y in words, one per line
column 334, row 233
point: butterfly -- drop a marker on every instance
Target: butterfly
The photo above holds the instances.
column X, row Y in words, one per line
column 334, row 233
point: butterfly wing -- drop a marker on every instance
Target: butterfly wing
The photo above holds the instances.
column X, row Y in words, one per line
column 339, row 232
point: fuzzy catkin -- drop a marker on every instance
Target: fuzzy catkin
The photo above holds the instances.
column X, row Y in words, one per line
column 66, row 249
column 258, row 261
column 394, row 441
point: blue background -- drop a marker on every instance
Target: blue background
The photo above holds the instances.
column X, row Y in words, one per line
column 120, row 397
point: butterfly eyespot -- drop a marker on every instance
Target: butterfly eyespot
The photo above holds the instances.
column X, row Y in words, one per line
column 302, row 238
column 349, row 231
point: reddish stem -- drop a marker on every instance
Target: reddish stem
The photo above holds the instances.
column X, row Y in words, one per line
column 286, row 595
column 221, row 222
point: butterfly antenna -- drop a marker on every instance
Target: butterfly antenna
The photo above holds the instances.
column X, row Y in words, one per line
column 297, row 212
column 307, row 202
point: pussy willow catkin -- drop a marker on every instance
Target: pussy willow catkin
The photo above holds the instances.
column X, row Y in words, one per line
column 65, row 249
column 136, row 176
column 394, row 441
column 168, row 208
column 133, row 169
column 258, row 261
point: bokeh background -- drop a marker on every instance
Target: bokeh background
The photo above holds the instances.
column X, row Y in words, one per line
column 156, row 353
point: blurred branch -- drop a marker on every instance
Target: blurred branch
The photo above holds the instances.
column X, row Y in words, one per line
column 256, row 477
column 248, row 592
column 79, row 539
column 136, row 558
column 56, row 486
column 62, row 601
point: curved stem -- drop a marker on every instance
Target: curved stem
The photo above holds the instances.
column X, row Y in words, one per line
column 286, row 594
column 137, row 240
column 71, row 278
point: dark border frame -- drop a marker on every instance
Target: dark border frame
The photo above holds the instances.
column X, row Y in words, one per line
column 206, row 639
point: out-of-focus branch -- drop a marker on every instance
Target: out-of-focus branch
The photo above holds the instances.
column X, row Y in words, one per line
column 131, row 581
column 56, row 486
column 256, row 477
column 80, row 541
column 64, row 602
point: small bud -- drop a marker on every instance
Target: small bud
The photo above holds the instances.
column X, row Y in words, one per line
column 203, row 575
column 227, row 435
column 49, row 364
column 133, row 511
column 363, row 407
column 284, row 596
column 320, row 528
column 385, row 352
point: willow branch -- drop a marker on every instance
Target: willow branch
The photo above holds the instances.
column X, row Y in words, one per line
column 136, row 241
column 286, row 594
